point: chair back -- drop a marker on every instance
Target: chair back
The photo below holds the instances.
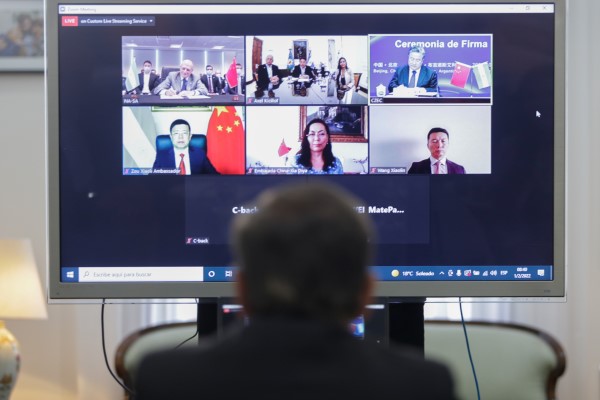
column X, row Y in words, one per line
column 163, row 142
column 140, row 343
column 357, row 76
column 164, row 72
column 512, row 361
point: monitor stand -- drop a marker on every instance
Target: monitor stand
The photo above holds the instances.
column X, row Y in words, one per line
column 406, row 322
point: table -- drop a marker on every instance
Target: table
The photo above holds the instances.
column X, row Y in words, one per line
column 283, row 94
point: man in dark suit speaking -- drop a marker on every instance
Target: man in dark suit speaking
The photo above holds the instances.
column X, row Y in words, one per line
column 438, row 141
column 303, row 277
column 188, row 160
column 415, row 76
column 268, row 74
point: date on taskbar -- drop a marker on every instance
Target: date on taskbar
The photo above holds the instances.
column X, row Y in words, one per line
column 464, row 273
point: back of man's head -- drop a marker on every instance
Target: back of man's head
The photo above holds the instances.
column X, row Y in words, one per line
column 304, row 253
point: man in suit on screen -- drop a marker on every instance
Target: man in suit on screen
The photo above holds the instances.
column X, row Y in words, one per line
column 438, row 141
column 189, row 160
column 211, row 81
column 268, row 74
column 148, row 79
column 303, row 70
column 182, row 83
column 303, row 277
column 415, row 76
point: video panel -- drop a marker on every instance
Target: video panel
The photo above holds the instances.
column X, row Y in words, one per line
column 399, row 139
column 431, row 68
column 281, row 140
column 307, row 69
column 182, row 70
column 175, row 140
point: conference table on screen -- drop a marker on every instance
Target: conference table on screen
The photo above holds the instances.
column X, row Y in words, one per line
column 316, row 93
column 156, row 100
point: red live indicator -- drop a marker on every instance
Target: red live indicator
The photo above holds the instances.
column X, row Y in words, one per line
column 70, row 21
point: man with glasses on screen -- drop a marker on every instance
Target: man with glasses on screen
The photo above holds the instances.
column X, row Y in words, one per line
column 414, row 78
column 182, row 83
column 303, row 278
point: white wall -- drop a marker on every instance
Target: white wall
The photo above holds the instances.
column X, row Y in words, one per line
column 61, row 357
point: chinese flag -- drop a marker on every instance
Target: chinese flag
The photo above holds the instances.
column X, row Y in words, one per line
column 283, row 149
column 460, row 74
column 231, row 75
column 225, row 140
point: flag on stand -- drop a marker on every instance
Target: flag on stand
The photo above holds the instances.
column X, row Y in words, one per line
column 460, row 74
column 310, row 61
column 290, row 61
column 483, row 76
column 225, row 140
column 231, row 75
column 283, row 148
column 132, row 80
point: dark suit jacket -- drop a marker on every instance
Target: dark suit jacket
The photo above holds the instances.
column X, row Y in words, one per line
column 291, row 359
column 199, row 162
column 263, row 75
column 152, row 83
column 427, row 79
column 307, row 70
column 424, row 167
column 216, row 83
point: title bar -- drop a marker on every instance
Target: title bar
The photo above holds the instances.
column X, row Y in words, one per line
column 304, row 8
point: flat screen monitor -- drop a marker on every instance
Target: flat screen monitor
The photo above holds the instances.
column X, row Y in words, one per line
column 446, row 119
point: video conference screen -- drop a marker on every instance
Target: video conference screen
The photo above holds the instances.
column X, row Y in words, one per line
column 170, row 119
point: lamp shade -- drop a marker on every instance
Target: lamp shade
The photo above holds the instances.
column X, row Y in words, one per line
column 21, row 293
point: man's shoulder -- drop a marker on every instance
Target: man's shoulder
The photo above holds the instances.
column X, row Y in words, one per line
column 429, row 379
column 423, row 163
column 459, row 169
column 420, row 167
column 428, row 70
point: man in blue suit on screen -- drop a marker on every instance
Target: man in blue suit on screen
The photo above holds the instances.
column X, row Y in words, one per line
column 189, row 160
column 303, row 277
column 415, row 76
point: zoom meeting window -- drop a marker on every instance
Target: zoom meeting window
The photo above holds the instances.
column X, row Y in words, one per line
column 439, row 117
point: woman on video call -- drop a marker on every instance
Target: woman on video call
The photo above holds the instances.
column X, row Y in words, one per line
column 315, row 152
column 344, row 79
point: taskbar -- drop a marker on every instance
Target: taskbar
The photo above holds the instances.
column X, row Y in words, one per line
column 141, row 274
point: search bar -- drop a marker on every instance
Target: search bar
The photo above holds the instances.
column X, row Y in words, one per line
column 141, row 274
